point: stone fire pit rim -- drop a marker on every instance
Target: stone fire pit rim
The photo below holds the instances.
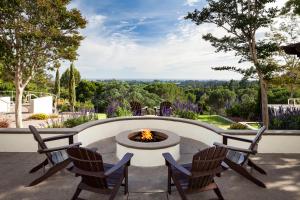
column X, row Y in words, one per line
column 172, row 140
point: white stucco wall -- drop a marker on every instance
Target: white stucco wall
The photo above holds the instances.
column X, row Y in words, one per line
column 13, row 142
column 42, row 105
column 5, row 104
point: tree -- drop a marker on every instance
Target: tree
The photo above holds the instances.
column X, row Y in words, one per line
column 85, row 91
column 292, row 5
column 72, row 91
column 284, row 33
column 57, row 81
column 241, row 19
column 65, row 77
column 33, row 34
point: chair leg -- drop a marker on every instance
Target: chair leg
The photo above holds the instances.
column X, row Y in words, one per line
column 39, row 166
column 218, row 193
column 169, row 179
column 242, row 171
column 256, row 167
column 51, row 172
column 180, row 190
column 126, row 180
column 116, row 189
column 76, row 194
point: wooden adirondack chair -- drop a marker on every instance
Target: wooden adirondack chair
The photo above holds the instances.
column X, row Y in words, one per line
column 56, row 157
column 97, row 176
column 197, row 176
column 238, row 158
column 137, row 109
column 165, row 109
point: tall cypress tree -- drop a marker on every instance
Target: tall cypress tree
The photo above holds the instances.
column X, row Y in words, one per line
column 57, row 82
column 72, row 92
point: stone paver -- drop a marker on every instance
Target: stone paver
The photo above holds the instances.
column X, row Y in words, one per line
column 283, row 180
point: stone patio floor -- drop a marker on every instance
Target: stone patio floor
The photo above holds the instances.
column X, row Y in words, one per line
column 283, row 179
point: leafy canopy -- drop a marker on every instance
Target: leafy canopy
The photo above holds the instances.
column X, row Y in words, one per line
column 240, row 19
column 35, row 33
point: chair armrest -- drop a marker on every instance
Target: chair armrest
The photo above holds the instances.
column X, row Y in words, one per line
column 48, row 150
column 225, row 137
column 145, row 108
column 170, row 161
column 235, row 148
column 124, row 161
column 59, row 137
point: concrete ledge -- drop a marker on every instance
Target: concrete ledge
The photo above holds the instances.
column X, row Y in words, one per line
column 274, row 141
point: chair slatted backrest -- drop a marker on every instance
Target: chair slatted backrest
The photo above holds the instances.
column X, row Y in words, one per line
column 257, row 138
column 41, row 143
column 136, row 108
column 206, row 164
column 89, row 161
column 165, row 108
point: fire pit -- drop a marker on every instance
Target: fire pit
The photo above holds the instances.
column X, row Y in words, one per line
column 147, row 145
column 146, row 135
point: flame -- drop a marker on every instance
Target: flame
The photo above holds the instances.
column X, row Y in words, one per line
column 146, row 134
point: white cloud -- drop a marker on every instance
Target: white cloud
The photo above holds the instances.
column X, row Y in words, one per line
column 191, row 2
column 181, row 55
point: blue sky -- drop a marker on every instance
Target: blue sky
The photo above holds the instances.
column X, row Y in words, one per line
column 147, row 39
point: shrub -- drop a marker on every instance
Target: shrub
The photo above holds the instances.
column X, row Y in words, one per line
column 186, row 114
column 284, row 118
column 185, row 110
column 53, row 116
column 77, row 120
column 39, row 116
column 238, row 126
column 4, row 123
column 122, row 112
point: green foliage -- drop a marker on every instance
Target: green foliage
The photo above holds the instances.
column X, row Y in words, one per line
column 65, row 77
column 72, row 92
column 84, row 106
column 166, row 91
column 77, row 120
column 186, row 114
column 85, row 90
column 278, row 96
column 123, row 112
column 220, row 98
column 39, row 116
column 238, row 126
column 291, row 5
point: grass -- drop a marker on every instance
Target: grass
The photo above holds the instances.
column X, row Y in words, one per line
column 101, row 116
column 215, row 120
column 255, row 125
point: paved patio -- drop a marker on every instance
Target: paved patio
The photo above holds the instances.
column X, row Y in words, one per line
column 283, row 180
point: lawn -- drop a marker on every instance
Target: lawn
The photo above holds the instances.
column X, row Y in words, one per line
column 101, row 115
column 215, row 120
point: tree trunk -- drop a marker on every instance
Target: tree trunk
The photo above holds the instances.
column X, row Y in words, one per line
column 18, row 106
column 264, row 102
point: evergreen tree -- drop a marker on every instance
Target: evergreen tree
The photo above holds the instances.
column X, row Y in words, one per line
column 72, row 91
column 57, row 82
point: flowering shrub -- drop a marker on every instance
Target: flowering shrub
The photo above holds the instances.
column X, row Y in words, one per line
column 284, row 118
column 117, row 109
column 4, row 123
column 185, row 110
